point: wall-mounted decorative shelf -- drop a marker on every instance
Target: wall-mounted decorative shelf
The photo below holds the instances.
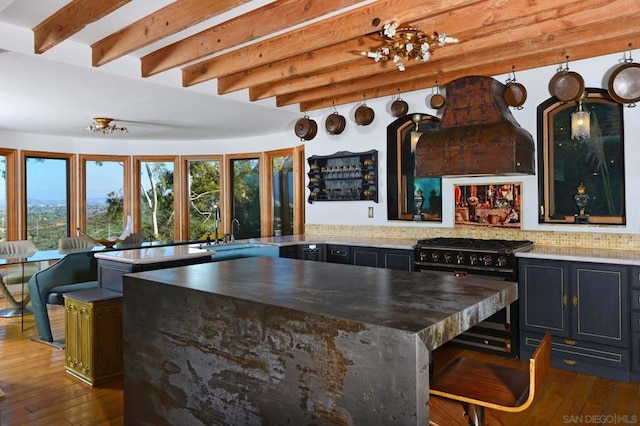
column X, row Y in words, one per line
column 343, row 176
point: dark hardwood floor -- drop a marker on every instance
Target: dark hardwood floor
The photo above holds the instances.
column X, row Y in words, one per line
column 39, row 392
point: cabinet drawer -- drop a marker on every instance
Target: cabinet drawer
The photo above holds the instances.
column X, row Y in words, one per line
column 584, row 357
column 338, row 254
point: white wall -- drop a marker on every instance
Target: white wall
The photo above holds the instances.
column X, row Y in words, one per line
column 363, row 138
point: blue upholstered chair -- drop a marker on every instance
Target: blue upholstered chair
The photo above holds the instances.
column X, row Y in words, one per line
column 75, row 271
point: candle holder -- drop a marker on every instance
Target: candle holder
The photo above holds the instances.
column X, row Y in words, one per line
column 581, row 198
column 418, row 202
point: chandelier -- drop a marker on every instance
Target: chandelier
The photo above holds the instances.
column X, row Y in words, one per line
column 101, row 124
column 407, row 44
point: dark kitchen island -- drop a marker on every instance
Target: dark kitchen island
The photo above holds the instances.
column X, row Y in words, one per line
column 291, row 342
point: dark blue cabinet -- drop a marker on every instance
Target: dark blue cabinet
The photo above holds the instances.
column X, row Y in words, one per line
column 586, row 308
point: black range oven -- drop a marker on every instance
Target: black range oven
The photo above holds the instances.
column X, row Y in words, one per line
column 497, row 334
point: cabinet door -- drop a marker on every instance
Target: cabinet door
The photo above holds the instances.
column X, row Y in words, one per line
column 401, row 260
column 290, row 252
column 600, row 303
column 543, row 290
column 365, row 256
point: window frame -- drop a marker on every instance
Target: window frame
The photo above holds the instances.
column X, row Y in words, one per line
column 545, row 113
column 177, row 191
column 14, row 222
column 297, row 153
column 82, row 182
column 72, row 183
column 396, row 132
column 184, row 201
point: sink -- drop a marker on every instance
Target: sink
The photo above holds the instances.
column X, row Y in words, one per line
column 238, row 250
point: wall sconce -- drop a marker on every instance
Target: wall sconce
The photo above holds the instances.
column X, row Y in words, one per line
column 580, row 123
column 415, row 133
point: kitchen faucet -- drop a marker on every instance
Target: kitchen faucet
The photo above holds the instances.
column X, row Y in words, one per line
column 233, row 235
column 216, row 212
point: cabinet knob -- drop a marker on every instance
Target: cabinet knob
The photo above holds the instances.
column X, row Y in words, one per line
column 570, row 362
column 570, row 342
column 565, row 299
column 575, row 300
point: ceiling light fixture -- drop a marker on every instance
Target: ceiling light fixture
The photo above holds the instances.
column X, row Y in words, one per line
column 406, row 44
column 101, row 124
column 580, row 123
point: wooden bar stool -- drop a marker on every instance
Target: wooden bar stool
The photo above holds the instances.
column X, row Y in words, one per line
column 482, row 384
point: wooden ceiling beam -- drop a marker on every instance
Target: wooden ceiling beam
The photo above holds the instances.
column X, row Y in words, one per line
column 69, row 20
column 478, row 50
column 447, row 71
column 346, row 26
column 550, row 25
column 303, row 64
column 470, row 22
column 169, row 20
column 263, row 21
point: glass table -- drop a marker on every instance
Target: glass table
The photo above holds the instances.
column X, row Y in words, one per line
column 15, row 271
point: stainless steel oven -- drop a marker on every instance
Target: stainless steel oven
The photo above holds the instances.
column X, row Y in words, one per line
column 499, row 333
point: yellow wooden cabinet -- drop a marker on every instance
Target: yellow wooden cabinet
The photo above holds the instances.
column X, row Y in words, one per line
column 93, row 335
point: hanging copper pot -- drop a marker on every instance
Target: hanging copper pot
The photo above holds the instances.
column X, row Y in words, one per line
column 306, row 128
column 364, row 115
column 335, row 123
column 624, row 83
column 437, row 100
column 515, row 93
column 566, row 85
column 399, row 108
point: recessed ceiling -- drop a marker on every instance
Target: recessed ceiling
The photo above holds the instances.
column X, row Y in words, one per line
column 236, row 68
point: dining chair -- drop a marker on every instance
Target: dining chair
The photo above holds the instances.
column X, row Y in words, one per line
column 479, row 384
column 16, row 273
column 75, row 243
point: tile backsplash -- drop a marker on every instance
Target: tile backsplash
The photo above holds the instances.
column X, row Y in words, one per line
column 546, row 238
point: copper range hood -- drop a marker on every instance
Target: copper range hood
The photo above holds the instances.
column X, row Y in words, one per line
column 476, row 136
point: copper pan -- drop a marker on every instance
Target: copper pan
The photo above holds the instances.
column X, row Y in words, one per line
column 335, row 123
column 624, row 83
column 306, row 128
column 515, row 94
column 567, row 86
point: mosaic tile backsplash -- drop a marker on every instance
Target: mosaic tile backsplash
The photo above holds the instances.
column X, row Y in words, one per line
column 545, row 238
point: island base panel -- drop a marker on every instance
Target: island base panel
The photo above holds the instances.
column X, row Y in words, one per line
column 198, row 358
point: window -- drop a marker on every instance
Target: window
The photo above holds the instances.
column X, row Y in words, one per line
column 204, row 189
column 104, row 194
column 402, row 186
column 48, row 198
column 245, row 195
column 596, row 162
column 284, row 193
column 8, row 196
column 156, row 198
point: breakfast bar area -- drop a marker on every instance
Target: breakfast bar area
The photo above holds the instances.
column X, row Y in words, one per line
column 283, row 341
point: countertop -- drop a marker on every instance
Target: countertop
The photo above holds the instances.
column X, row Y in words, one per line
column 393, row 243
column 597, row 255
column 153, row 254
column 434, row 305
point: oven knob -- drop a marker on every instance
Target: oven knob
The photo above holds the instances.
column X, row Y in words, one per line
column 460, row 259
column 423, row 256
column 435, row 256
column 447, row 258
column 502, row 261
column 473, row 259
column 486, row 260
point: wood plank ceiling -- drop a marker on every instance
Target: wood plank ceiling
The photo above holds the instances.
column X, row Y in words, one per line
column 306, row 52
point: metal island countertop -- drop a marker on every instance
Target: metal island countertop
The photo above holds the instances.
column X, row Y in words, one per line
column 275, row 340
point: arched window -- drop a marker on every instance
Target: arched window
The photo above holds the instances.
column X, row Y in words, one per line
column 402, row 185
column 581, row 173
